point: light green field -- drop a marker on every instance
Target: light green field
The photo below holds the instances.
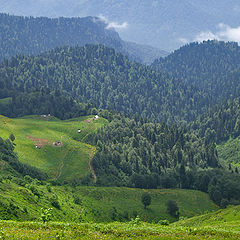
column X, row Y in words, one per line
column 71, row 160
column 5, row 101
column 227, row 220
column 229, row 152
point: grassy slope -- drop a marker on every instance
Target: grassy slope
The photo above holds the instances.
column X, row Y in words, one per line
column 4, row 101
column 97, row 203
column 227, row 220
column 70, row 160
column 229, row 152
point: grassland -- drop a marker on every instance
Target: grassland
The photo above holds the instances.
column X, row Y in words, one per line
column 97, row 204
column 116, row 230
column 218, row 225
column 229, row 152
column 35, row 136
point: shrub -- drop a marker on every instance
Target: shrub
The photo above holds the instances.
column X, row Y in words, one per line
column 172, row 208
column 146, row 200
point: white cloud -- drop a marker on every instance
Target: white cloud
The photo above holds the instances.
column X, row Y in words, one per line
column 114, row 25
column 224, row 33
column 183, row 40
column 205, row 36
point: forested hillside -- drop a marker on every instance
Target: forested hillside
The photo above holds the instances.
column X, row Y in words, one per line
column 220, row 123
column 99, row 75
column 211, row 67
column 135, row 153
column 42, row 102
column 143, row 154
column 31, row 36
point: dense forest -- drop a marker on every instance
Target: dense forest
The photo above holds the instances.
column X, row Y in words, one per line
column 31, row 36
column 135, row 153
column 99, row 75
column 44, row 102
column 128, row 148
column 211, row 67
column 220, row 123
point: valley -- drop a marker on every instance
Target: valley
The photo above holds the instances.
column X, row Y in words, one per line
column 102, row 138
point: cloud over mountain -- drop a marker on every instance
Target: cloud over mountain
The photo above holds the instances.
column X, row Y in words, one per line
column 224, row 33
column 115, row 25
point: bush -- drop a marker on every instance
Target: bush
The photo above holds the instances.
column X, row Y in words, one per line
column 55, row 203
column 172, row 208
column 46, row 215
column 164, row 222
column 146, row 200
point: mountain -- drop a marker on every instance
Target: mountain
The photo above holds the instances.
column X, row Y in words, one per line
column 211, row 67
column 31, row 36
column 162, row 24
column 179, row 87
column 99, row 75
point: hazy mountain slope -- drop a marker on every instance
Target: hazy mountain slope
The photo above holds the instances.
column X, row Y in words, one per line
column 158, row 23
column 24, row 35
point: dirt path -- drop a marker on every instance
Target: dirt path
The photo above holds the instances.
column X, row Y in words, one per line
column 39, row 142
column 90, row 164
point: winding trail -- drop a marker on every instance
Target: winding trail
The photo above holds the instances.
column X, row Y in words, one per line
column 93, row 150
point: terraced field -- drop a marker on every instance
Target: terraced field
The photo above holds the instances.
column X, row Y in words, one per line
column 56, row 147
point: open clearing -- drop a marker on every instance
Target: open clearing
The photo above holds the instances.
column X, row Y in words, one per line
column 35, row 138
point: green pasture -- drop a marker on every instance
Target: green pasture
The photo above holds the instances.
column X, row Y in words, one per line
column 69, row 160
column 96, row 204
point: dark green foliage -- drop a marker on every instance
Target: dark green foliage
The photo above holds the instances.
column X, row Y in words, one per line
column 220, row 122
column 210, row 68
column 12, row 137
column 44, row 102
column 99, row 75
column 77, row 200
column 55, row 203
column 146, row 200
column 147, row 155
column 172, row 208
column 222, row 186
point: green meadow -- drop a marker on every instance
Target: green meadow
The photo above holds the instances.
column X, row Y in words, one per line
column 35, row 138
column 23, row 199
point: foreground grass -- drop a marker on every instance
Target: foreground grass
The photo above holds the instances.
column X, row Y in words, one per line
column 131, row 230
